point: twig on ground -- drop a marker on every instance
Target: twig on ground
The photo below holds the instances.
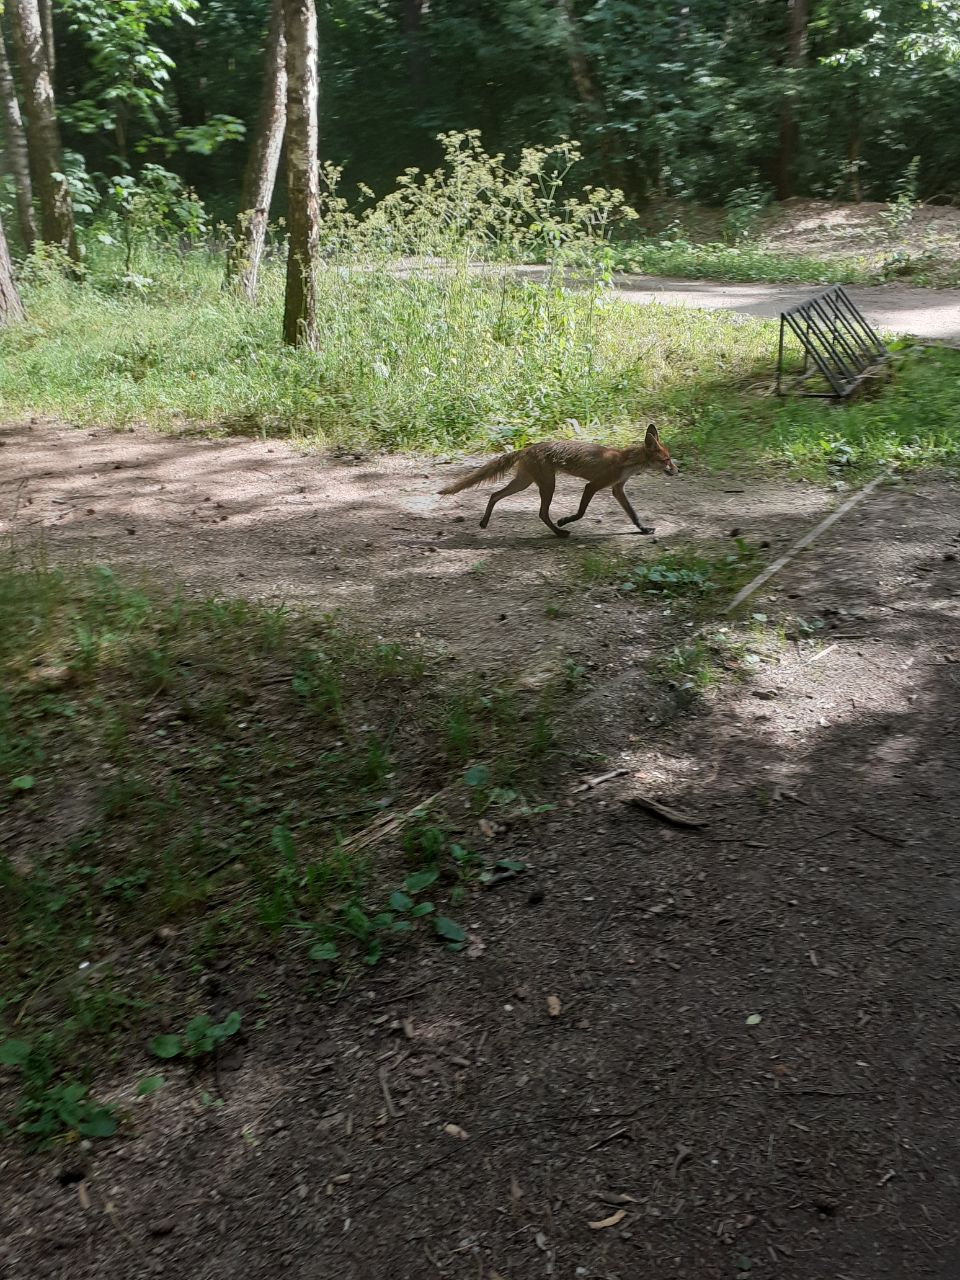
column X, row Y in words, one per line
column 673, row 816
column 595, row 782
column 392, row 1111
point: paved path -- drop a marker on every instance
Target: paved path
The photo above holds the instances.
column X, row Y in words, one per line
column 922, row 313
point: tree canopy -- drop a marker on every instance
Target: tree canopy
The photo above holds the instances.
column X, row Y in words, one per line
column 685, row 98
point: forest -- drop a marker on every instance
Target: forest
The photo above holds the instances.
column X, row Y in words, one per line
column 827, row 98
column 388, row 890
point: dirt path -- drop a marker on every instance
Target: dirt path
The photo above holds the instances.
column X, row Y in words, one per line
column 822, row 1140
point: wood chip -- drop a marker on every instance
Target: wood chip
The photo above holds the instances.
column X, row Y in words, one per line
column 455, row 1131
column 553, row 1006
column 612, row 1221
column 83, row 1195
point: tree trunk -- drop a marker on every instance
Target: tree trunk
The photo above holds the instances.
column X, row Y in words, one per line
column 17, row 157
column 412, row 20
column 853, row 161
column 46, row 22
column 260, row 175
column 799, row 14
column 587, row 92
column 11, row 308
column 43, row 132
column 303, row 179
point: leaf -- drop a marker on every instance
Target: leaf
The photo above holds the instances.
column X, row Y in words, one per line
column 231, row 1023
column 422, row 909
column 197, row 1028
column 754, row 1020
column 512, row 864
column 399, row 901
column 101, row 1123
column 478, row 775
column 417, row 881
column 612, row 1221
column 23, row 783
column 401, row 926
column 382, row 920
column 13, row 1053
column 150, row 1084
column 553, row 1006
column 324, row 951
column 449, row 929
column 166, row 1046
column 282, row 841
column 455, row 1131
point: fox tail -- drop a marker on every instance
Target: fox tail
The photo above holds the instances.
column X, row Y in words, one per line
column 491, row 470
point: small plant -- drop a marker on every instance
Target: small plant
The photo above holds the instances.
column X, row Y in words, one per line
column 898, row 214
column 743, row 209
column 689, row 575
column 201, row 1036
column 368, row 931
column 48, row 1107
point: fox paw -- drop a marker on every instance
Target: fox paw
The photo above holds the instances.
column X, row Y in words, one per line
column 646, row 528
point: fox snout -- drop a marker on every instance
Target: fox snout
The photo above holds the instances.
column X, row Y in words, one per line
column 670, row 468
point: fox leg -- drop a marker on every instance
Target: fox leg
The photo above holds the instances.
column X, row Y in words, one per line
column 519, row 482
column 546, row 484
column 624, row 501
column 585, row 501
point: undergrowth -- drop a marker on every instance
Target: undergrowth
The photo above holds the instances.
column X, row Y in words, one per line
column 430, row 340
column 688, row 576
column 206, row 781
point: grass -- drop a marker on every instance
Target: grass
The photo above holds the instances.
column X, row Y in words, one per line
column 745, row 263
column 209, row 775
column 693, row 577
column 458, row 362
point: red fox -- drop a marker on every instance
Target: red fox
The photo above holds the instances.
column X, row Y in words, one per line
column 602, row 468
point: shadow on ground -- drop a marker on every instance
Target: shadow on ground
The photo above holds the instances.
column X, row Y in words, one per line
column 754, row 1067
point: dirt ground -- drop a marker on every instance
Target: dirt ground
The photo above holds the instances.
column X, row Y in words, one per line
column 753, row 1069
column 825, row 228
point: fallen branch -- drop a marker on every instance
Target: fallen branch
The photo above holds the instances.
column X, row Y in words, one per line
column 595, row 782
column 805, row 541
column 673, row 816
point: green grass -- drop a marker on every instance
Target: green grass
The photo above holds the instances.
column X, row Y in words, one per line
column 197, row 773
column 746, row 263
column 450, row 361
column 695, row 577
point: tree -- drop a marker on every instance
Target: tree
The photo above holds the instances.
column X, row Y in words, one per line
column 797, row 11
column 303, row 178
column 11, row 308
column 17, row 156
column 43, row 131
column 263, row 159
column 127, row 75
column 46, row 22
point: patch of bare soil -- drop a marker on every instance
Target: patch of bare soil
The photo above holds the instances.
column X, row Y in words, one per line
column 668, row 1051
column 821, row 228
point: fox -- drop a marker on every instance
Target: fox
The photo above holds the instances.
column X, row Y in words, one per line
column 601, row 467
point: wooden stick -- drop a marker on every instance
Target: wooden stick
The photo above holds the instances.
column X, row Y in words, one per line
column 669, row 815
column 805, row 541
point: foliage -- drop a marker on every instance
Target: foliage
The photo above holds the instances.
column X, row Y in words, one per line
column 50, row 1106
column 678, row 100
column 201, row 1036
column 221, row 803
column 128, row 71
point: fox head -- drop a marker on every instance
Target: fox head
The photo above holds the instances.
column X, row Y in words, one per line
column 657, row 454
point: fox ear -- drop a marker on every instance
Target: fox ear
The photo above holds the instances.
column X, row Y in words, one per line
column 652, row 433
